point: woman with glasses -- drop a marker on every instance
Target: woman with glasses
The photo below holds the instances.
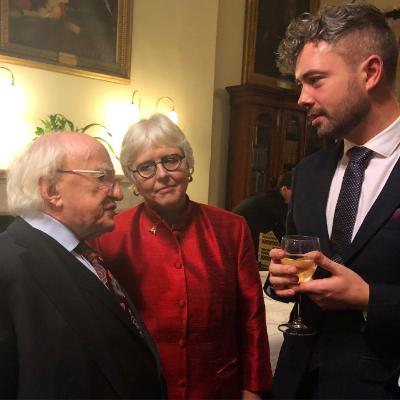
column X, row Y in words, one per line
column 191, row 271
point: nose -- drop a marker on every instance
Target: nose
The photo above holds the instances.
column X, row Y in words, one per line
column 116, row 191
column 161, row 171
column 305, row 101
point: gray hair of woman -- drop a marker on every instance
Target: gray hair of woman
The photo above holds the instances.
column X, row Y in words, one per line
column 39, row 160
column 157, row 131
column 356, row 30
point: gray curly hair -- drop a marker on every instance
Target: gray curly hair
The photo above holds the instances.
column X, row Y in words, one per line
column 356, row 31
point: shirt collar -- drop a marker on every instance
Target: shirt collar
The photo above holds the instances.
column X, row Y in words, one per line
column 384, row 143
column 53, row 228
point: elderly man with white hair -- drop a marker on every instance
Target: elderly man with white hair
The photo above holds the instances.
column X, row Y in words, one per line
column 67, row 330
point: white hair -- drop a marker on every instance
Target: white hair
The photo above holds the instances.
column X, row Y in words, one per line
column 41, row 158
column 157, row 131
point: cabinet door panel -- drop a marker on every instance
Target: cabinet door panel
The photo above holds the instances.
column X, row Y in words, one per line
column 267, row 137
column 293, row 123
column 262, row 144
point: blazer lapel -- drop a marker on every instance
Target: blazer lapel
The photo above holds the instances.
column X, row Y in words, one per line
column 50, row 264
column 84, row 279
column 383, row 208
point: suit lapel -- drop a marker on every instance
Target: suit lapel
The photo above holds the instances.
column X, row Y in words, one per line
column 383, row 208
column 85, row 281
column 50, row 266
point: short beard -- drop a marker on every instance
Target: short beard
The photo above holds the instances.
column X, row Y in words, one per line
column 348, row 115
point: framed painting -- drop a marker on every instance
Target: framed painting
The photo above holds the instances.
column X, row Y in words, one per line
column 90, row 38
column 265, row 25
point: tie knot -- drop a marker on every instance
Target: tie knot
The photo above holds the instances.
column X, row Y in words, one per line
column 359, row 154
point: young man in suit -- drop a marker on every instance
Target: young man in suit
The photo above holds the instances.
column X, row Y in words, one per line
column 66, row 328
column 344, row 59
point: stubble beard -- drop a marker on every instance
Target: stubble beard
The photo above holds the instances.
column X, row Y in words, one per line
column 347, row 117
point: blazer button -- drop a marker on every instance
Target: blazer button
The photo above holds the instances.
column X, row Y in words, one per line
column 181, row 383
column 182, row 303
column 182, row 343
column 178, row 265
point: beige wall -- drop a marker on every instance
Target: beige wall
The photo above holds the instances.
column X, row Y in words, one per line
column 173, row 54
column 228, row 69
column 189, row 50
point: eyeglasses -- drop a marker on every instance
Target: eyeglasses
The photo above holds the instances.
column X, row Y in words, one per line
column 105, row 177
column 148, row 169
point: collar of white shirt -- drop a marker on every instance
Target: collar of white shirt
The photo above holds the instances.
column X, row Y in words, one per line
column 384, row 143
column 55, row 229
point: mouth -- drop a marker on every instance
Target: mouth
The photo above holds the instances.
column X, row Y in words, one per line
column 112, row 207
column 315, row 118
column 165, row 189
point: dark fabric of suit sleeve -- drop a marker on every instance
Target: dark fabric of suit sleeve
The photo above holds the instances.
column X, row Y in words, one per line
column 384, row 305
column 8, row 348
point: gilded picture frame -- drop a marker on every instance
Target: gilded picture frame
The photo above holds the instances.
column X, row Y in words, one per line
column 265, row 25
column 88, row 38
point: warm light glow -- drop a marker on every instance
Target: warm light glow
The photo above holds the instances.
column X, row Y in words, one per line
column 171, row 113
column 119, row 116
column 15, row 133
column 173, row 116
column 12, row 98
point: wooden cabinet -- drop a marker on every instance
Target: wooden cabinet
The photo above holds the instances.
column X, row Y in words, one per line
column 268, row 135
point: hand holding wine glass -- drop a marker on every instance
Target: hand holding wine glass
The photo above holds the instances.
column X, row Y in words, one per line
column 296, row 248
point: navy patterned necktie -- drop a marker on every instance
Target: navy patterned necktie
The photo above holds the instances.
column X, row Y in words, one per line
column 349, row 196
column 107, row 279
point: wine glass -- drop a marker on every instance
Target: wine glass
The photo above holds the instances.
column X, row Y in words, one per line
column 296, row 247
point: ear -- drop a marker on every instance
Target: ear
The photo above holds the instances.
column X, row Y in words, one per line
column 49, row 192
column 373, row 71
column 283, row 190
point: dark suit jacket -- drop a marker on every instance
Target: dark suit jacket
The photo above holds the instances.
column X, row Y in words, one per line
column 354, row 357
column 62, row 334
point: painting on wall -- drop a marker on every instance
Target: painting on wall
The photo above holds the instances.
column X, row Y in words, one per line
column 90, row 38
column 265, row 26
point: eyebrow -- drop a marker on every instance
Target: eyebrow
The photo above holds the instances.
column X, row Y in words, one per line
column 309, row 73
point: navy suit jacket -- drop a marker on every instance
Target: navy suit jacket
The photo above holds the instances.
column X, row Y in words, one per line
column 62, row 334
column 354, row 357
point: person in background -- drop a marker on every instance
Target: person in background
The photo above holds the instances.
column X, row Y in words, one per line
column 191, row 271
column 66, row 328
column 344, row 59
column 267, row 212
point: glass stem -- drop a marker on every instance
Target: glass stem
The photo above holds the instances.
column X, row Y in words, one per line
column 298, row 309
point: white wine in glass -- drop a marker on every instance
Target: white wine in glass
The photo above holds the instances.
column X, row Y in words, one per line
column 296, row 247
column 305, row 267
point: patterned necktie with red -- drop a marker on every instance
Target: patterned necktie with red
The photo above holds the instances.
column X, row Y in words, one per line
column 107, row 279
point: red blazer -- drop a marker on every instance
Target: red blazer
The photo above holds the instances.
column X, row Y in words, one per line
column 198, row 290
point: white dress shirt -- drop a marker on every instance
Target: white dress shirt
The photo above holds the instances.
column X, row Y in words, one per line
column 59, row 232
column 386, row 148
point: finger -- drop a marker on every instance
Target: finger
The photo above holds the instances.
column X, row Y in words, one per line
column 326, row 263
column 277, row 254
column 281, row 269
column 283, row 281
column 285, row 292
column 311, row 287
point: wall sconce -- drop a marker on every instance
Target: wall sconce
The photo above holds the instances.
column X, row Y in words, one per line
column 12, row 75
column 171, row 114
column 12, row 105
column 134, row 110
column 11, row 96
